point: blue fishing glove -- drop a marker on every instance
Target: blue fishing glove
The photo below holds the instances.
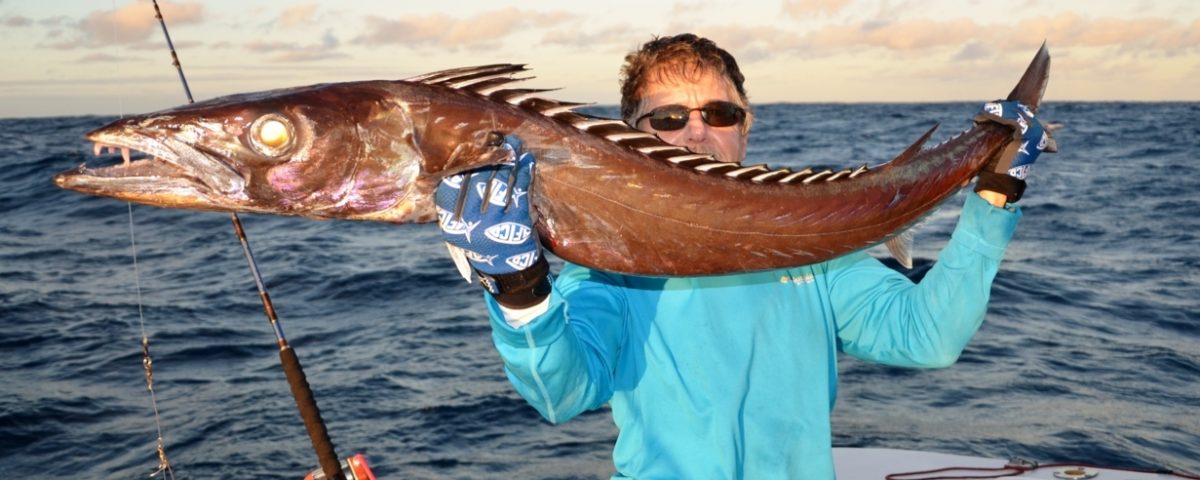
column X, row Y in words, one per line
column 1007, row 174
column 484, row 217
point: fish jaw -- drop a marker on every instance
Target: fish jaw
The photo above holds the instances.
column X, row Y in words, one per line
column 174, row 174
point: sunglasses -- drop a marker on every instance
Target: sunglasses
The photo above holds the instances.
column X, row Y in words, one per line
column 675, row 117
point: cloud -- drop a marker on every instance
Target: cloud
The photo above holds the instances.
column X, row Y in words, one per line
column 621, row 36
column 804, row 8
column 259, row 46
column 682, row 8
column 1111, row 31
column 1192, row 36
column 106, row 58
column 973, row 50
column 160, row 45
column 960, row 39
column 54, row 21
column 300, row 56
column 1147, row 32
column 63, row 45
column 749, row 43
column 290, row 52
column 132, row 23
column 1065, row 30
column 298, row 15
column 16, row 21
column 438, row 30
column 906, row 35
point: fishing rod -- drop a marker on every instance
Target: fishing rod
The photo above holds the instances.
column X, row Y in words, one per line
column 331, row 468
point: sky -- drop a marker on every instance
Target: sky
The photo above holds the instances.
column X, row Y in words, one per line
column 72, row 57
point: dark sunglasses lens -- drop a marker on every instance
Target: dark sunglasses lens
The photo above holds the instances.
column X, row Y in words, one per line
column 723, row 114
column 670, row 117
column 716, row 114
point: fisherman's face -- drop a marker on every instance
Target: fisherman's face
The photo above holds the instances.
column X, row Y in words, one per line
column 727, row 144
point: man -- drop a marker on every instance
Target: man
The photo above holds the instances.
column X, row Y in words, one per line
column 713, row 377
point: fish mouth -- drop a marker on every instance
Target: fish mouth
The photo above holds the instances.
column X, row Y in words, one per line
column 160, row 171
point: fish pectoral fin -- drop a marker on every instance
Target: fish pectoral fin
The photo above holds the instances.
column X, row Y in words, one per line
column 900, row 247
column 485, row 150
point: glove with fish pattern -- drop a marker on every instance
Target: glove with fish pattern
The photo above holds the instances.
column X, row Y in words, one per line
column 1007, row 174
column 485, row 219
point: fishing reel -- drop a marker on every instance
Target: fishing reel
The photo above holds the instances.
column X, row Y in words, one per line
column 354, row 468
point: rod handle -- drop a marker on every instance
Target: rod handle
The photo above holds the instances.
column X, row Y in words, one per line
column 310, row 414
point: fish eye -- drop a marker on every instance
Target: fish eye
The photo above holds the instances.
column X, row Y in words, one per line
column 271, row 134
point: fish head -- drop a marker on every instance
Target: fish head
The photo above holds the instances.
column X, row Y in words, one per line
column 342, row 150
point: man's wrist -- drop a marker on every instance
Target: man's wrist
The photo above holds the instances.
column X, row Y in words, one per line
column 521, row 289
column 1011, row 188
column 997, row 199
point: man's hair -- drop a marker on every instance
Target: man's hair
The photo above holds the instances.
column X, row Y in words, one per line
column 681, row 56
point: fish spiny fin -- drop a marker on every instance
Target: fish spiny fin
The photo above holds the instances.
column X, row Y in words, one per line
column 715, row 166
column 658, row 148
column 493, row 81
column 796, row 175
column 677, row 159
column 763, row 177
column 459, row 74
column 585, row 123
column 817, row 176
column 838, row 175
column 743, row 172
column 487, row 85
column 911, row 152
column 515, row 96
column 563, row 107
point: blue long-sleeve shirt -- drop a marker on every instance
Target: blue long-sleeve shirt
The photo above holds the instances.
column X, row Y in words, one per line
column 735, row 376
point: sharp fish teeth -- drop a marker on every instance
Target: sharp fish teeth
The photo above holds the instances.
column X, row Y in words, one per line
column 102, row 149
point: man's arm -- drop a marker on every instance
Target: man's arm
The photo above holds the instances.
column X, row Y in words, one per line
column 562, row 360
column 883, row 316
column 559, row 359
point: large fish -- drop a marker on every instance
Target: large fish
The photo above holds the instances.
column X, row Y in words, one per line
column 604, row 195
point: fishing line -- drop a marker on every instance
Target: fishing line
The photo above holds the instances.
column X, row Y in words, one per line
column 164, row 465
column 292, row 369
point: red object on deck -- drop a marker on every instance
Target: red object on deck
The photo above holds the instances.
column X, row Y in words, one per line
column 355, row 468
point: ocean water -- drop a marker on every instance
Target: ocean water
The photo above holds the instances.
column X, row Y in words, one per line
column 1090, row 352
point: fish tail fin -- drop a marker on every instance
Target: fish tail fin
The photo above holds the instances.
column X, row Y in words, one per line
column 1033, row 83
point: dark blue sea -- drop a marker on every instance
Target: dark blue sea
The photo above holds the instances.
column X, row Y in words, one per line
column 1090, row 351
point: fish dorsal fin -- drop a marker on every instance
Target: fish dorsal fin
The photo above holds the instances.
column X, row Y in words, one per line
column 493, row 82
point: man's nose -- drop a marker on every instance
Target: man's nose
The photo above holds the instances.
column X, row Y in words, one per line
column 696, row 129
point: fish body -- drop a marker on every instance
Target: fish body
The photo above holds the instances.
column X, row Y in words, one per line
column 604, row 195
